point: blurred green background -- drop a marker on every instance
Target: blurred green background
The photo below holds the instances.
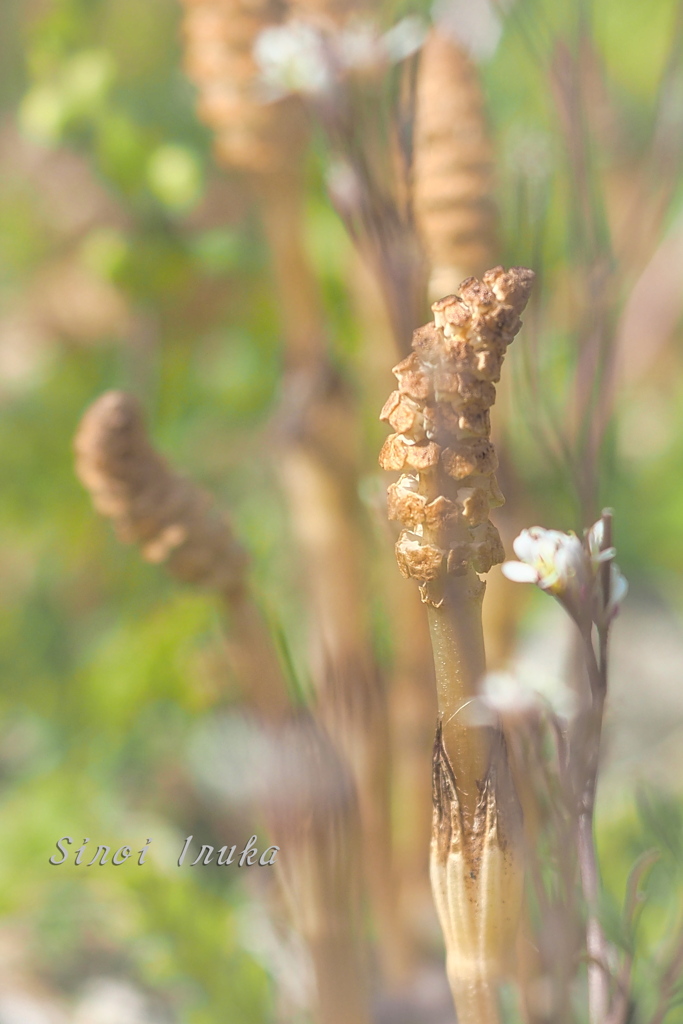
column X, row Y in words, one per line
column 127, row 259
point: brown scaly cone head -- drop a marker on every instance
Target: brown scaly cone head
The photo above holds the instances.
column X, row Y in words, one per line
column 440, row 414
column 172, row 520
column 453, row 165
column 251, row 134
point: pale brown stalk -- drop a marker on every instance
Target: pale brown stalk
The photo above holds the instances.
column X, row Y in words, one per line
column 281, row 205
column 314, row 441
column 313, row 434
column 412, row 711
column 313, row 810
column 315, row 445
column 318, row 464
column 440, row 413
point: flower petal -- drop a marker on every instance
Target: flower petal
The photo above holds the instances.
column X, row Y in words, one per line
column 526, row 545
column 519, row 572
column 618, row 588
column 596, row 538
column 505, row 693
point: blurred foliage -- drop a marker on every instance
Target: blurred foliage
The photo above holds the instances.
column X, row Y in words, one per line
column 104, row 169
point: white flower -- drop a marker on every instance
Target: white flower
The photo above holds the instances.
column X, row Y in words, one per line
column 554, row 561
column 571, row 570
column 299, row 57
column 344, row 187
column 506, row 694
column 359, row 45
column 617, row 585
column 404, row 38
column 618, row 589
column 293, row 59
column 475, row 24
column 523, row 691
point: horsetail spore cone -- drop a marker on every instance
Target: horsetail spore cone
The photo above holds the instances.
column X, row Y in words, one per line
column 177, row 524
column 172, row 520
column 453, row 179
column 440, row 414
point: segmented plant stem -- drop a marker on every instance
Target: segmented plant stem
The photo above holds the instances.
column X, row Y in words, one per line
column 440, row 414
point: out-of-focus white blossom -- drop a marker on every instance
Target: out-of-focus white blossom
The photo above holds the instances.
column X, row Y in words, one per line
column 292, row 59
column 359, row 45
column 506, row 694
column 404, row 39
column 475, row 24
column 112, row 1001
column 299, row 57
column 525, row 690
column 571, row 570
column 344, row 186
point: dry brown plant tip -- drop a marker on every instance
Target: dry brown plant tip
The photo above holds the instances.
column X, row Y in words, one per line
column 440, row 414
column 169, row 517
